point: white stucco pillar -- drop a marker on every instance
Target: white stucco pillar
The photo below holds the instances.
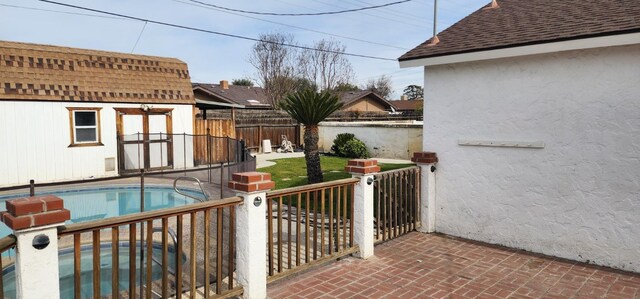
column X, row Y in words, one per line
column 363, row 204
column 251, row 232
column 34, row 221
column 426, row 161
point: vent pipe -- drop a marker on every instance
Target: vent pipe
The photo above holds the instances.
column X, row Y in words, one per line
column 435, row 40
column 494, row 4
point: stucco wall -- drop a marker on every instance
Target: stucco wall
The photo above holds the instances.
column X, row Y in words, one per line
column 383, row 139
column 34, row 142
column 579, row 197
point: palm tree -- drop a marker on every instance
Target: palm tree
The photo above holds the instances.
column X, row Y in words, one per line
column 310, row 108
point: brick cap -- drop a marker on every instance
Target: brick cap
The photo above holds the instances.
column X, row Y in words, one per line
column 424, row 158
column 37, row 211
column 362, row 166
column 251, row 181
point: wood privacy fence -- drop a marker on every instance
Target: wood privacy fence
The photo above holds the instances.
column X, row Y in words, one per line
column 7, row 267
column 307, row 225
column 254, row 134
column 396, row 196
column 214, row 141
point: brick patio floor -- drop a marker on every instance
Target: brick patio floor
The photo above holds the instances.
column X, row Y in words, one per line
column 434, row 266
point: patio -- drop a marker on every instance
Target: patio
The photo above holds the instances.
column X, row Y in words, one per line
column 436, row 266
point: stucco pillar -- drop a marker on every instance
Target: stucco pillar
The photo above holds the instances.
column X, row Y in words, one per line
column 251, row 231
column 426, row 161
column 34, row 222
column 363, row 204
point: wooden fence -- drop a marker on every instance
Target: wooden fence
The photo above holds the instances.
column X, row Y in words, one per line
column 217, row 149
column 396, row 196
column 7, row 262
column 254, row 134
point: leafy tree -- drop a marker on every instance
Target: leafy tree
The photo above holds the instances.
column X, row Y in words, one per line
column 242, row 82
column 381, row 86
column 310, row 108
column 413, row 92
column 340, row 87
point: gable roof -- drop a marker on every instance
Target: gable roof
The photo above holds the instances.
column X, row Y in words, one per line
column 349, row 97
column 247, row 96
column 52, row 73
column 528, row 22
column 408, row 105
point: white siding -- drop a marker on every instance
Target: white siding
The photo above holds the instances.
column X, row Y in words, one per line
column 579, row 197
column 34, row 141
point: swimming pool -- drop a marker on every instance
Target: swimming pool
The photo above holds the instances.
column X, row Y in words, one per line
column 66, row 267
column 105, row 202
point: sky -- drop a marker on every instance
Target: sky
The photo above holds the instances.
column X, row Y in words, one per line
column 386, row 32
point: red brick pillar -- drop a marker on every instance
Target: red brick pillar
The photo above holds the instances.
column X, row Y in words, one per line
column 35, row 222
column 363, row 217
column 426, row 161
column 251, row 231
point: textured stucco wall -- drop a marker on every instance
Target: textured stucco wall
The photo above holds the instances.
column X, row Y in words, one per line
column 383, row 140
column 579, row 197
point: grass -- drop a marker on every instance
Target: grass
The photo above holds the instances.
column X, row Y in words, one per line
column 292, row 172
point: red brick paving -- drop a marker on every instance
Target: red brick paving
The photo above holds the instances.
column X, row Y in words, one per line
column 434, row 266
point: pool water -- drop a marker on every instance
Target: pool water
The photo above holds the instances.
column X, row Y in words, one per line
column 99, row 203
column 86, row 277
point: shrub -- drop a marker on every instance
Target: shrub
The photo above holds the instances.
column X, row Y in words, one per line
column 340, row 141
column 354, row 148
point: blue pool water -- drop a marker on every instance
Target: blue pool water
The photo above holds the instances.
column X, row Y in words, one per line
column 99, row 203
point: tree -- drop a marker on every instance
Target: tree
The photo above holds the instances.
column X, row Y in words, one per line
column 345, row 87
column 325, row 64
column 310, row 108
column 242, row 82
column 275, row 64
column 413, row 92
column 381, row 86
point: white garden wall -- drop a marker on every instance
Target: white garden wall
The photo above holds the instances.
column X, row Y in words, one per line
column 34, row 141
column 393, row 140
column 579, row 196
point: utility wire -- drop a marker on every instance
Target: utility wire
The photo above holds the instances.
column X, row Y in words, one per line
column 422, row 26
column 62, row 12
column 300, row 14
column 212, row 32
column 139, row 36
column 294, row 26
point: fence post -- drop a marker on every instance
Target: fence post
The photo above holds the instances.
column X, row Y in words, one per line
column 426, row 161
column 251, row 232
column 35, row 221
column 364, row 170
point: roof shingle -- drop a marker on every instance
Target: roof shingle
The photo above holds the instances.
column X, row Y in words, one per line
column 527, row 22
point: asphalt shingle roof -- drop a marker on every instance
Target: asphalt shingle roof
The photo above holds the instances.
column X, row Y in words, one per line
column 527, row 22
column 241, row 95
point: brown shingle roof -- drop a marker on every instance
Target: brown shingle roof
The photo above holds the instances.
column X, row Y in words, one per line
column 526, row 22
column 408, row 105
column 52, row 73
column 250, row 97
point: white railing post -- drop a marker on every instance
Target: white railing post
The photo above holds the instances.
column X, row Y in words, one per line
column 426, row 161
column 363, row 204
column 251, row 231
column 34, row 222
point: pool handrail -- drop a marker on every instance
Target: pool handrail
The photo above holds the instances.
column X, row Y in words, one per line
column 189, row 178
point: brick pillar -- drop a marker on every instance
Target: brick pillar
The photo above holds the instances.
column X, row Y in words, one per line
column 426, row 161
column 363, row 204
column 35, row 222
column 251, row 231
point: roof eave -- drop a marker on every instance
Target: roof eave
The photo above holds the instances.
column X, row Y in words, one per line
column 527, row 49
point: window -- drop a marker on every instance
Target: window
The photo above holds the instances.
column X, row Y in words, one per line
column 84, row 126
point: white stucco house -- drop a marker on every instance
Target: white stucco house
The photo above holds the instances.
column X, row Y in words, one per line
column 63, row 109
column 533, row 108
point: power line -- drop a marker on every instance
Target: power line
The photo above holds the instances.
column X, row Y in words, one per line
column 378, row 16
column 212, row 32
column 296, row 27
column 300, row 14
column 139, row 36
column 62, row 12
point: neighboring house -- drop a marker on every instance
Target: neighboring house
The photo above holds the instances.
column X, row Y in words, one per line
column 62, row 110
column 406, row 106
column 533, row 108
column 225, row 96
column 364, row 101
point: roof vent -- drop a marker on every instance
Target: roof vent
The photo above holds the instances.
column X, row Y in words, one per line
column 434, row 41
column 494, row 4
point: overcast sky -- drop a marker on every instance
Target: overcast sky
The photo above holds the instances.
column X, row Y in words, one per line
column 384, row 32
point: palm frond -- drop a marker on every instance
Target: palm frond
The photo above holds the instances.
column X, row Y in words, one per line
column 310, row 107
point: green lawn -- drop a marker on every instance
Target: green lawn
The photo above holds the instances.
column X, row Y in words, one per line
column 292, row 172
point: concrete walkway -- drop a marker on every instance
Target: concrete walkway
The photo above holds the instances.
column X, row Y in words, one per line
column 266, row 160
column 434, row 266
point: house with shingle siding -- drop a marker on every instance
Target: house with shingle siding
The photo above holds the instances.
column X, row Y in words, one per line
column 533, row 108
column 63, row 110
